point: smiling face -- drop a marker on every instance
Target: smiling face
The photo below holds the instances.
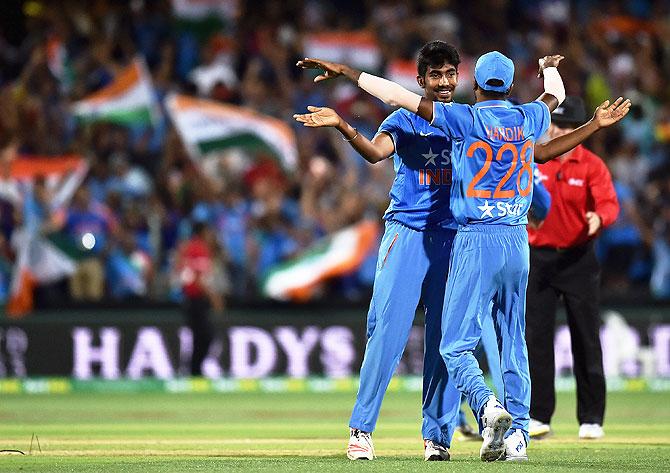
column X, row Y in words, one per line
column 439, row 83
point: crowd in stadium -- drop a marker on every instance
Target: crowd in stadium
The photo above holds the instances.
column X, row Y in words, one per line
column 143, row 192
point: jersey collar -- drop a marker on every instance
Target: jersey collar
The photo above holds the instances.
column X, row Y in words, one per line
column 493, row 103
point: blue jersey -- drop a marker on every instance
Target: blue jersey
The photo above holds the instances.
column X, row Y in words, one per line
column 421, row 190
column 493, row 147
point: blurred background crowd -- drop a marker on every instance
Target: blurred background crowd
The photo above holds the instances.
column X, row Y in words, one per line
column 143, row 193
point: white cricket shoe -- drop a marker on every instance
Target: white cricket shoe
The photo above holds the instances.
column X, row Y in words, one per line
column 496, row 421
column 515, row 447
column 434, row 452
column 538, row 429
column 360, row 445
column 591, row 431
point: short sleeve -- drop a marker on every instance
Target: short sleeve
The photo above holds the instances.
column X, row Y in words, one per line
column 396, row 126
column 539, row 116
column 454, row 119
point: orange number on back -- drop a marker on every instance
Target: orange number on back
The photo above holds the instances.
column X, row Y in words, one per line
column 529, row 150
column 506, row 194
column 526, row 151
column 472, row 192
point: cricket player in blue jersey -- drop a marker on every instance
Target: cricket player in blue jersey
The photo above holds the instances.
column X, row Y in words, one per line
column 413, row 257
column 380, row 353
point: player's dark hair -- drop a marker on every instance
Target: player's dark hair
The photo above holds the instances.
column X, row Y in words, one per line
column 493, row 95
column 436, row 54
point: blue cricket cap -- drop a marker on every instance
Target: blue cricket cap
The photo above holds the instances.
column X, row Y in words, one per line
column 496, row 67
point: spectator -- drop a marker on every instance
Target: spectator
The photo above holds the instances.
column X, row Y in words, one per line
column 129, row 270
column 89, row 227
column 67, row 50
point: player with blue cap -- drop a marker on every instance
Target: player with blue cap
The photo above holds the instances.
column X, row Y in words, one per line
column 495, row 72
column 413, row 259
column 493, row 147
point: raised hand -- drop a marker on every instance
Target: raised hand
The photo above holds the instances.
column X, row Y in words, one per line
column 319, row 117
column 548, row 61
column 330, row 69
column 608, row 114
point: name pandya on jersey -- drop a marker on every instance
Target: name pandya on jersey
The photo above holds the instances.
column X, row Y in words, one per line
column 499, row 133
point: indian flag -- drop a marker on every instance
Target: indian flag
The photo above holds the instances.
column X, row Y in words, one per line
column 58, row 62
column 128, row 100
column 39, row 260
column 205, row 17
column 357, row 48
column 199, row 10
column 336, row 255
column 206, row 127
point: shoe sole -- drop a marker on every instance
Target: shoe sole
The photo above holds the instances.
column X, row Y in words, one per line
column 357, row 458
column 517, row 459
column 354, row 458
column 436, row 458
column 495, row 450
column 541, row 435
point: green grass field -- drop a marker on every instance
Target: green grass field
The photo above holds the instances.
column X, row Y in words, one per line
column 294, row 432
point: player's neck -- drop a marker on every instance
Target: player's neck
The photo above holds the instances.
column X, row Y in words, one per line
column 487, row 97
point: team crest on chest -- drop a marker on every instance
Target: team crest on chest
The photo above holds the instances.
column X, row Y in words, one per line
column 430, row 156
column 435, row 169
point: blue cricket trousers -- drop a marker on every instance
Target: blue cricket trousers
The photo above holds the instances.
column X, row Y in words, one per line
column 412, row 265
column 488, row 277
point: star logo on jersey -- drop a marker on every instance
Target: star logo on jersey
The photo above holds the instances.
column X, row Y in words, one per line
column 430, row 156
column 486, row 209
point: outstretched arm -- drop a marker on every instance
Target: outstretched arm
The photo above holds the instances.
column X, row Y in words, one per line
column 554, row 90
column 373, row 151
column 605, row 115
column 385, row 90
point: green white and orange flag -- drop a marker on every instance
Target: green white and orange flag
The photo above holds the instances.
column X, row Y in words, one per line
column 128, row 100
column 203, row 10
column 207, row 127
column 58, row 62
column 39, row 260
column 356, row 48
column 336, row 255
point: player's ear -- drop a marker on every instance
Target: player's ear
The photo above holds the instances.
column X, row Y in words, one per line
column 421, row 81
column 509, row 91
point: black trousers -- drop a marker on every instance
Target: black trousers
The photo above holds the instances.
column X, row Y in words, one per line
column 573, row 274
column 196, row 310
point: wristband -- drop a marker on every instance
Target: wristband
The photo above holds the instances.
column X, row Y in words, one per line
column 553, row 84
column 349, row 140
